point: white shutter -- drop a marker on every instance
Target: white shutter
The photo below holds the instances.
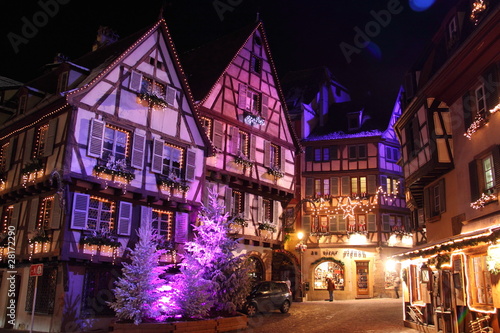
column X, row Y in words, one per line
column 181, row 227
column 228, row 200
column 218, row 135
column 124, row 219
column 157, row 162
column 80, row 211
column 235, row 138
column 33, row 217
column 28, row 144
column 260, row 210
column 242, row 96
column 276, row 212
column 190, row 165
column 246, row 213
column 253, row 146
column 135, row 81
column 146, row 215
column 55, row 222
column 50, row 138
column 138, row 148
column 171, row 94
column 282, row 158
column 207, row 192
column 267, row 153
column 94, row 147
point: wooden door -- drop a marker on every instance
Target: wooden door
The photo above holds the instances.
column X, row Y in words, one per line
column 362, row 278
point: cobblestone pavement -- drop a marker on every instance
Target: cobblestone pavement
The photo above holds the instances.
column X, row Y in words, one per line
column 379, row 315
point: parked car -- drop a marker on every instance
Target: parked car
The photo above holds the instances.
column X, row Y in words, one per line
column 268, row 296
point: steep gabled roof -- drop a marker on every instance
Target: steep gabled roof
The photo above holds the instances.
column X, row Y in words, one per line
column 205, row 64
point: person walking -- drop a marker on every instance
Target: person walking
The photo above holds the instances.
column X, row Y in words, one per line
column 397, row 284
column 330, row 286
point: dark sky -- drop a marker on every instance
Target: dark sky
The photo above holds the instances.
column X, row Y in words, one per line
column 301, row 33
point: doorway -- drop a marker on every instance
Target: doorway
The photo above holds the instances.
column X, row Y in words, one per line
column 362, row 278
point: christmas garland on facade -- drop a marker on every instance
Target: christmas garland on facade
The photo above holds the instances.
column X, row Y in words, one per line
column 322, row 259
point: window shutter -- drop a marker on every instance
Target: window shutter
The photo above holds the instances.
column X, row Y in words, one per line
column 51, row 137
column 15, row 215
column 334, row 152
column 282, row 158
column 171, row 94
column 247, row 215
column 427, row 203
column 371, row 222
column 260, row 211
column 135, row 81
column 467, row 104
column 55, row 222
column 346, row 187
column 28, row 145
column 371, row 181
column 306, row 224
column 181, row 227
column 334, row 223
column 10, row 154
column 309, row 187
column 334, row 186
column 157, row 162
column 242, row 96
column 146, row 215
column 386, row 222
column 138, row 148
column 473, row 179
column 80, row 211
column 309, row 154
column 276, row 212
column 190, row 165
column 124, row 219
column 33, row 214
column 496, row 165
column 267, row 153
column 62, row 83
column 94, row 148
column 442, row 196
column 342, row 224
column 228, row 200
column 264, row 107
column 491, row 87
column 253, row 145
column 208, row 189
column 235, row 138
column 218, row 134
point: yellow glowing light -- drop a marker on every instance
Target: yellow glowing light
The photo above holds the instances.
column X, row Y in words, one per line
column 300, row 235
column 390, row 265
column 357, row 239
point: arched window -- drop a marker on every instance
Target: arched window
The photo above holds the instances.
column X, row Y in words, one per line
column 329, row 268
column 256, row 269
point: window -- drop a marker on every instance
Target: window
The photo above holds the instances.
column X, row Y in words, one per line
column 4, row 153
column 173, row 161
column 358, row 186
column 329, row 268
column 452, row 31
column 115, row 142
column 46, row 210
column 142, row 85
column 480, row 102
column 322, row 154
column 252, row 101
column 267, row 210
column 6, row 218
column 206, row 123
column 97, row 292
column 237, row 203
column 488, row 173
column 326, row 186
column 152, row 87
column 484, row 175
column 357, row 152
column 240, row 142
column 413, row 143
column 273, row 155
column 41, row 140
column 162, row 223
column 62, row 83
column 322, row 186
column 45, row 294
column 481, row 280
column 100, row 215
column 435, row 200
column 391, row 154
column 353, row 121
column 337, row 223
column 256, row 64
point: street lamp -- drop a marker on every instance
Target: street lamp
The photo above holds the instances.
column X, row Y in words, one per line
column 301, row 248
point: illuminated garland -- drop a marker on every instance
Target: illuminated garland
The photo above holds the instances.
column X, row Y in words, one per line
column 479, row 121
column 128, row 175
column 239, row 221
column 244, row 161
column 495, row 109
column 439, row 260
column 478, row 7
column 493, row 265
column 322, row 259
column 276, row 172
column 483, row 200
column 266, row 225
column 153, row 99
column 252, row 119
column 100, row 238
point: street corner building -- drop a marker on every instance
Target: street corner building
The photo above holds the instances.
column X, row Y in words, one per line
column 451, row 163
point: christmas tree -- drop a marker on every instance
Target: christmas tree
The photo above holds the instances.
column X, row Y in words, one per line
column 211, row 263
column 137, row 291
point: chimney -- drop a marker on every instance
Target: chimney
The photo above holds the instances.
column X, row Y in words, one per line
column 105, row 36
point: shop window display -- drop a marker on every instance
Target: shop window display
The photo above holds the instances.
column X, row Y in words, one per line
column 329, row 268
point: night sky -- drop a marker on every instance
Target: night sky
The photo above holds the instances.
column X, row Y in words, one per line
column 302, row 34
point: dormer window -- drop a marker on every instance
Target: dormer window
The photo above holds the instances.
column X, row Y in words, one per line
column 354, row 121
column 257, row 40
column 452, row 28
column 256, row 64
column 62, row 83
column 152, row 91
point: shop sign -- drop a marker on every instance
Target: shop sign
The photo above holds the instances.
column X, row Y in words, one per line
column 354, row 254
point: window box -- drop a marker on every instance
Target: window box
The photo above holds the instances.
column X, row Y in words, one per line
column 275, row 171
column 268, row 226
column 172, row 182
column 153, row 99
column 244, row 161
column 32, row 171
column 253, row 119
column 100, row 238
column 117, row 171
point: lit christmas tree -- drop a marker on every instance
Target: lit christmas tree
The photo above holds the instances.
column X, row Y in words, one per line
column 137, row 291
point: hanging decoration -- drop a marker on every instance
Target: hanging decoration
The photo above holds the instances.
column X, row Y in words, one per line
column 275, row 171
column 478, row 7
column 483, row 200
column 32, row 171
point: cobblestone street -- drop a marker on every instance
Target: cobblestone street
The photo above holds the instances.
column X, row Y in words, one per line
column 346, row 316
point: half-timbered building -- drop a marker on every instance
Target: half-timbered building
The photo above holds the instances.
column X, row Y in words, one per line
column 450, row 157
column 252, row 166
column 93, row 148
column 352, row 208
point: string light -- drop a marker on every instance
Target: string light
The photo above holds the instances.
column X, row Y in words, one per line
column 478, row 7
column 483, row 200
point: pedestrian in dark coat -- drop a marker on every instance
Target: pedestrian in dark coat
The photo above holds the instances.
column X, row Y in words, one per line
column 330, row 286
